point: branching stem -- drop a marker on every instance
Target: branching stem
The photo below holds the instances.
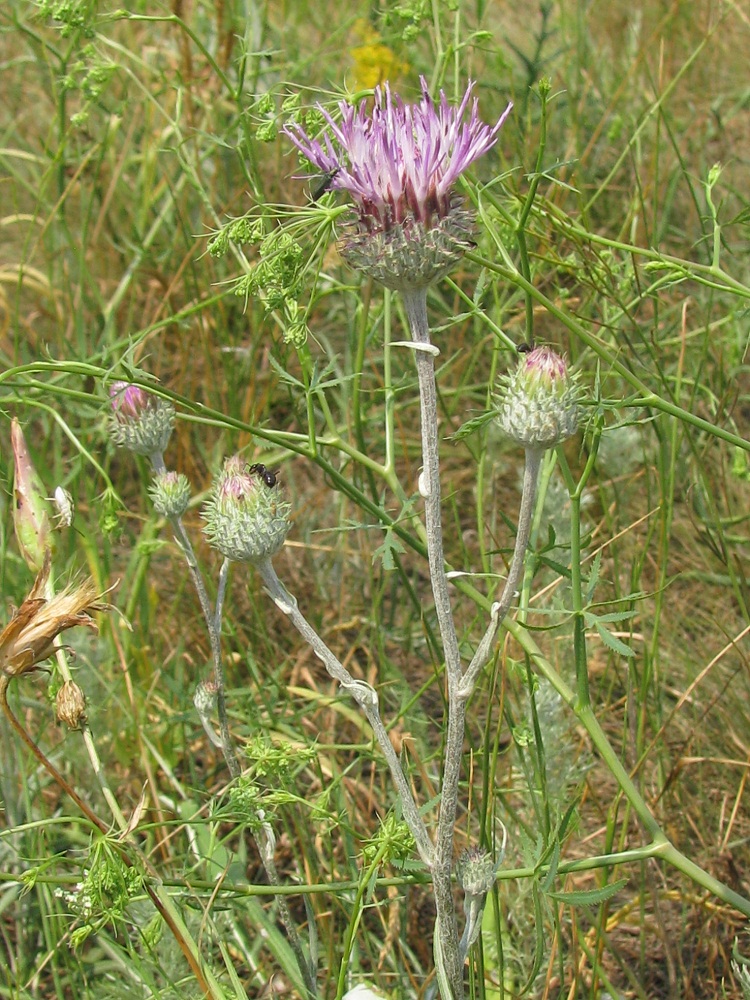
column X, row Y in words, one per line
column 363, row 694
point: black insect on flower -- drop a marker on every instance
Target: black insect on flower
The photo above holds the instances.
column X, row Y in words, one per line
column 268, row 477
column 324, row 184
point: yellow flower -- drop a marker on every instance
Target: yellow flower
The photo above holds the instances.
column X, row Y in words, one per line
column 374, row 62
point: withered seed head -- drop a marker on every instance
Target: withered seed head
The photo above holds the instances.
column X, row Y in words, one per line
column 29, row 637
column 71, row 705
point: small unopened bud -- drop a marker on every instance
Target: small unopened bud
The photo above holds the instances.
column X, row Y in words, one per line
column 538, row 402
column 247, row 517
column 475, row 871
column 205, row 698
column 170, row 492
column 31, row 509
column 71, row 705
column 141, row 421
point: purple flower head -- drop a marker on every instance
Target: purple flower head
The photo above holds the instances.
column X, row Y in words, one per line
column 235, row 483
column 400, row 163
column 130, row 401
column 546, row 366
column 141, row 421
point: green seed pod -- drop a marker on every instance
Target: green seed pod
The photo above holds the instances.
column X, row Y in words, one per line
column 32, row 511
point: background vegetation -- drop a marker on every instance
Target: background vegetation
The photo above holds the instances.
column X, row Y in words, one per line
column 130, row 137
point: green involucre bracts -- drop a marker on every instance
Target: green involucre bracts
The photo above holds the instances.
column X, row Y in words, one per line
column 537, row 404
column 246, row 519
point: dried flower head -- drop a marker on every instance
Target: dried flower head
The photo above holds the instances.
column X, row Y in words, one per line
column 247, row 517
column 538, row 402
column 141, row 421
column 400, row 163
column 29, row 637
column 71, row 705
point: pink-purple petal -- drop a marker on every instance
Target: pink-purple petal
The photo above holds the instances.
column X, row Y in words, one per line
column 400, row 160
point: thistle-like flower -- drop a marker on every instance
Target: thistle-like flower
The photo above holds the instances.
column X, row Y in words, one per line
column 141, row 421
column 170, row 492
column 538, row 402
column 247, row 517
column 400, row 163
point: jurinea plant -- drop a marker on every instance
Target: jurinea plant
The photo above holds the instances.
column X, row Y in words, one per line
column 246, row 521
column 400, row 163
column 643, row 280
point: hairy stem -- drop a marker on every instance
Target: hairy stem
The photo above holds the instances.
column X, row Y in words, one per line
column 266, row 844
column 415, row 303
column 213, row 624
column 447, row 951
column 363, row 694
column 515, row 573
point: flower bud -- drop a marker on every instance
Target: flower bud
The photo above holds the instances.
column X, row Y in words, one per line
column 205, row 698
column 538, row 402
column 71, row 705
column 247, row 518
column 141, row 421
column 475, row 871
column 170, row 492
column 31, row 510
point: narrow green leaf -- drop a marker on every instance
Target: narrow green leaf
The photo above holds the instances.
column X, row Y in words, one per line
column 589, row 897
column 613, row 642
column 472, row 425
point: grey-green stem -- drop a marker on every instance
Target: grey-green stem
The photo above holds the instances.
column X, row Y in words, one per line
column 447, row 951
column 213, row 624
column 266, row 844
column 415, row 303
column 364, row 695
column 460, row 684
column 515, row 573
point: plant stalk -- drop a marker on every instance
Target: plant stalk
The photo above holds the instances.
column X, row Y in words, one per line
column 363, row 694
column 153, row 887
